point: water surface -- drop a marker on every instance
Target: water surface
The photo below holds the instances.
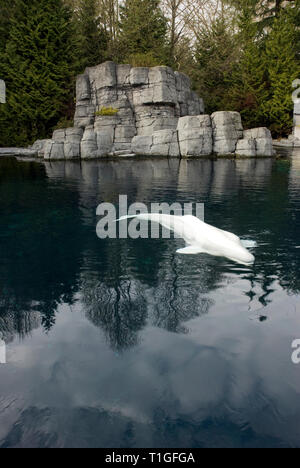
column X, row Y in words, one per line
column 123, row 343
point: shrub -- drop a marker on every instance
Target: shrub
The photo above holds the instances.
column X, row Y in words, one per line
column 143, row 60
column 64, row 123
column 107, row 111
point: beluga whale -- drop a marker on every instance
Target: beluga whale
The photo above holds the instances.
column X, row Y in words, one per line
column 202, row 238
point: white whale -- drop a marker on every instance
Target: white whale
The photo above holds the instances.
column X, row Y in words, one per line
column 203, row 238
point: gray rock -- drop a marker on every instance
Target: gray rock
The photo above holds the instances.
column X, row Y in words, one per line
column 165, row 143
column 124, row 134
column 227, row 130
column 74, row 134
column 83, row 90
column 71, row 150
column 264, row 147
column 263, row 141
column 139, row 76
column 261, row 132
column 105, row 140
column 158, row 114
column 103, row 76
column 121, row 146
column 59, row 135
column 47, row 149
column 54, row 150
column 39, row 145
column 123, row 75
column 89, row 148
column 246, row 147
column 23, row 152
column 106, row 121
column 195, row 136
column 194, row 122
column 38, row 148
column 84, row 115
column 142, row 145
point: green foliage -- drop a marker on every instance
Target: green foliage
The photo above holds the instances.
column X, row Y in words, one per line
column 6, row 12
column 248, row 86
column 216, row 52
column 143, row 60
column 64, row 122
column 244, row 60
column 260, row 82
column 38, row 67
column 282, row 68
column 92, row 36
column 107, row 111
column 143, row 29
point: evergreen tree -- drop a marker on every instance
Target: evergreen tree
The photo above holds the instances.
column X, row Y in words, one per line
column 37, row 65
column 283, row 68
column 247, row 83
column 93, row 39
column 143, row 30
column 6, row 11
column 216, row 52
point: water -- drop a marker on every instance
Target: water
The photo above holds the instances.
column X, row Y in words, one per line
column 123, row 343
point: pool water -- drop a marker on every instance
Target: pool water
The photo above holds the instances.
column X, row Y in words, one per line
column 124, row 343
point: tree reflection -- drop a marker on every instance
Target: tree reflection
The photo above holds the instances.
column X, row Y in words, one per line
column 120, row 311
column 47, row 236
column 178, row 299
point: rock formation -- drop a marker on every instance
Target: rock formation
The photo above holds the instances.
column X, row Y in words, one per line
column 124, row 111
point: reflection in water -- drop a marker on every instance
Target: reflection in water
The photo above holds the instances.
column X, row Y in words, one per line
column 120, row 311
column 46, row 242
column 192, row 351
column 177, row 299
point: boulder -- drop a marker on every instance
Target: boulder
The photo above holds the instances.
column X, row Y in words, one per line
column 261, row 132
column 246, row 147
column 83, row 91
column 123, row 75
column 142, row 145
column 103, row 76
column 38, row 147
column 105, row 140
column 59, row 135
column 165, row 143
column 88, row 145
column 84, row 115
column 139, row 76
column 195, row 136
column 54, row 150
column 227, row 130
column 264, row 147
column 263, row 140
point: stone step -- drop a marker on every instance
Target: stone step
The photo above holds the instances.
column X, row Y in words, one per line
column 17, row 152
column 122, row 154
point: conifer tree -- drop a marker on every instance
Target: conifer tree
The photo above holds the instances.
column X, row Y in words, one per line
column 283, row 68
column 143, row 29
column 6, row 11
column 93, row 39
column 216, row 52
column 38, row 65
column 247, row 82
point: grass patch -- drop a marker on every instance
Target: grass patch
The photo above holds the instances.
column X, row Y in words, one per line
column 107, row 111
